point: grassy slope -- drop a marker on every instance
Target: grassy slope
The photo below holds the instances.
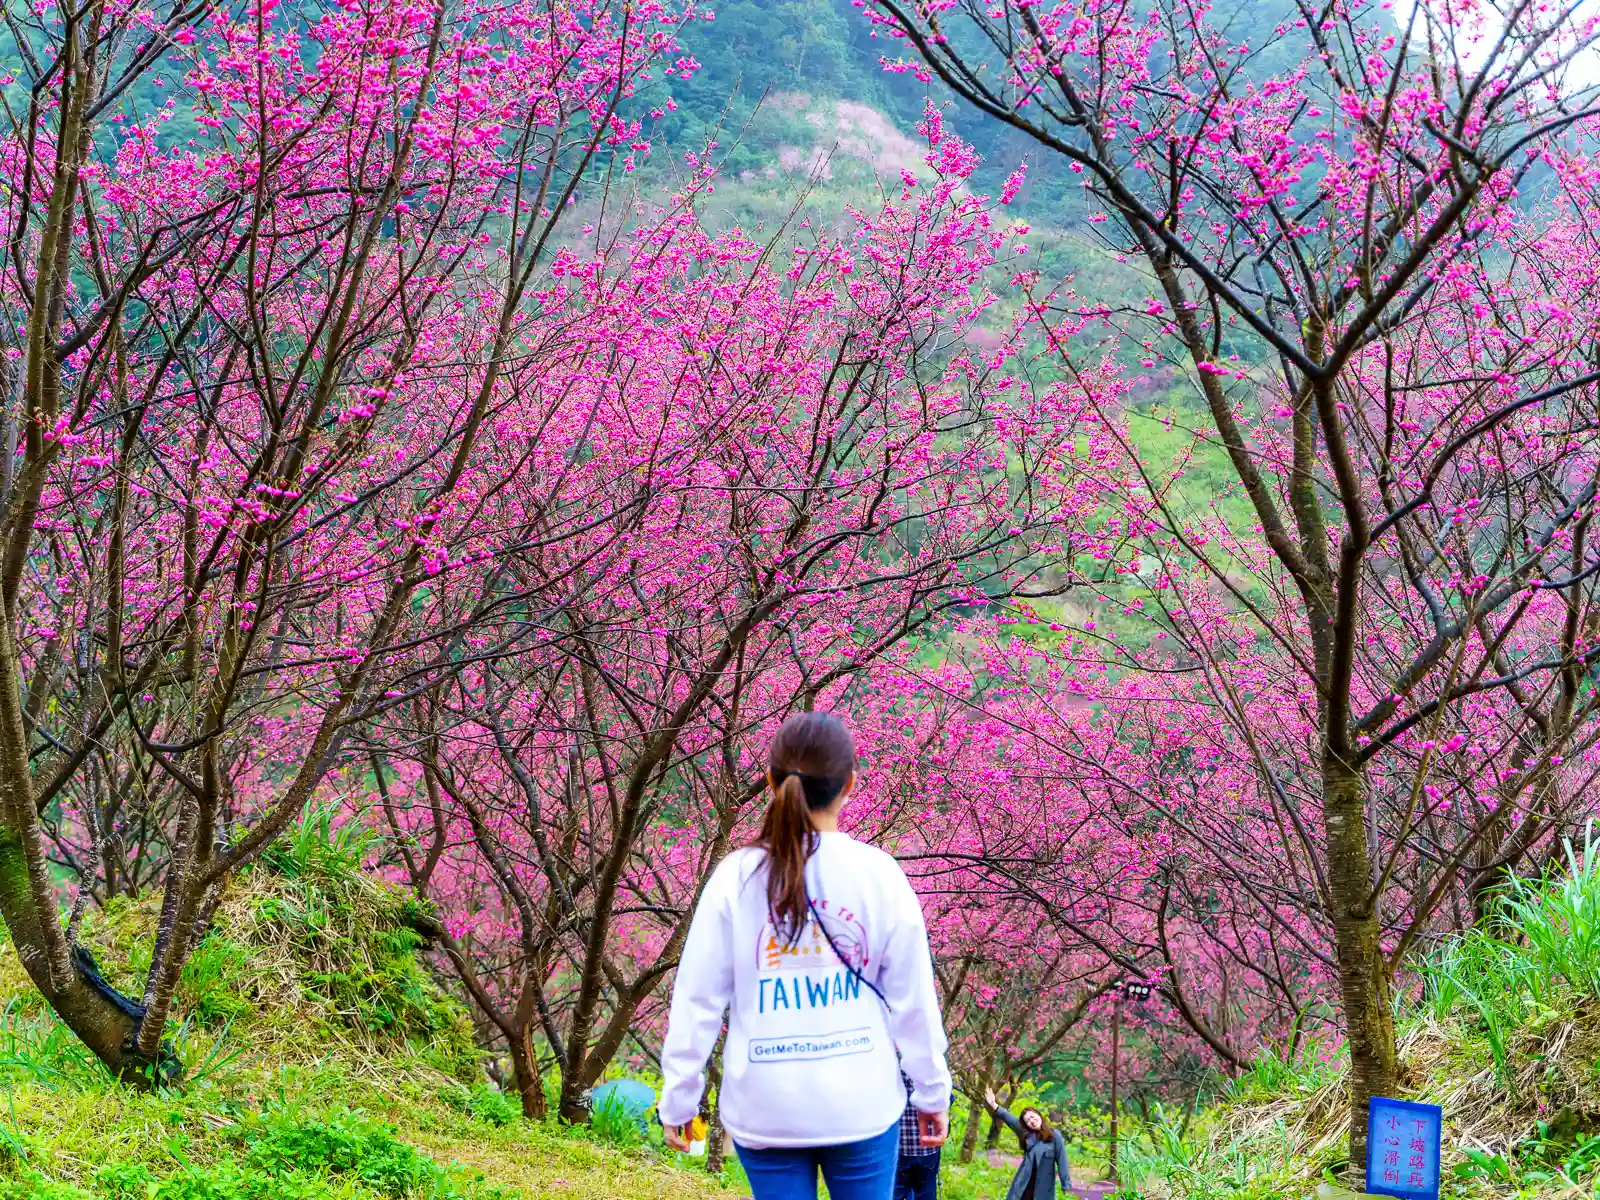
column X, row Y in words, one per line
column 322, row 1060
column 1502, row 1030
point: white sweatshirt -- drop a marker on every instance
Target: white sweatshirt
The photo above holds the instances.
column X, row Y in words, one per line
column 810, row 1058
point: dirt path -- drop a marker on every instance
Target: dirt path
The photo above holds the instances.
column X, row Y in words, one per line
column 1082, row 1186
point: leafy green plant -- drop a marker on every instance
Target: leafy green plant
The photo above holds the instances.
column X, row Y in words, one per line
column 1274, row 1073
column 1491, row 1168
column 284, row 1146
column 1166, row 1138
column 124, row 1181
column 1559, row 1152
column 611, row 1122
column 280, row 1155
column 1557, row 919
column 341, row 1144
column 1521, row 969
column 483, row 1103
column 229, row 1181
column 211, row 980
column 1584, row 1160
column 321, row 844
column 1491, row 979
column 33, row 1186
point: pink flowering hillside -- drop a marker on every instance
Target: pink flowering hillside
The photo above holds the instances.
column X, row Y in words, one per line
column 442, row 442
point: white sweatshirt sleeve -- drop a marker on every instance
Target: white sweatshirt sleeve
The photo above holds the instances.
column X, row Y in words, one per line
column 914, row 1019
column 700, row 995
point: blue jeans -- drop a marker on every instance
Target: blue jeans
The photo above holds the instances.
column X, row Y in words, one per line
column 861, row 1170
column 917, row 1177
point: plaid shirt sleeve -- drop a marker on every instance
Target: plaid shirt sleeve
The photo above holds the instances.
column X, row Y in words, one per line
column 910, row 1135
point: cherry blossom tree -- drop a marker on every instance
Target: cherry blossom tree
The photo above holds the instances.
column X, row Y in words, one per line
column 1395, row 373
column 223, row 545
column 834, row 469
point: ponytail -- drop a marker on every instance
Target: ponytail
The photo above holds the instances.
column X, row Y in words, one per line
column 811, row 762
column 788, row 838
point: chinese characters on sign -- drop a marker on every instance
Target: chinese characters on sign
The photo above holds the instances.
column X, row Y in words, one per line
column 1403, row 1149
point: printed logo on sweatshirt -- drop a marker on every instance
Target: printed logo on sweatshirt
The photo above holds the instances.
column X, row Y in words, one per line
column 810, row 973
column 814, row 948
column 806, row 991
column 804, row 1047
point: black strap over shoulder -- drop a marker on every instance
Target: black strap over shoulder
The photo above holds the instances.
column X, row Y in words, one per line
column 848, row 965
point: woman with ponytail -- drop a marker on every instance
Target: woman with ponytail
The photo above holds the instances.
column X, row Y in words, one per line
column 813, row 945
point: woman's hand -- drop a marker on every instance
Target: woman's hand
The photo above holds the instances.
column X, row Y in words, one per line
column 676, row 1138
column 989, row 1098
column 934, row 1128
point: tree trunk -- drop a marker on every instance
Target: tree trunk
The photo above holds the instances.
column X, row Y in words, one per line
column 969, row 1139
column 994, row 1133
column 585, row 1062
column 714, row 1131
column 1363, row 971
column 716, row 1139
column 176, row 932
column 1485, row 875
column 105, row 1020
column 530, row 1082
column 102, row 1026
column 583, row 1069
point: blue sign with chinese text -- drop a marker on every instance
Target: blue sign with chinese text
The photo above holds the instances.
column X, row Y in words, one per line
column 1403, row 1149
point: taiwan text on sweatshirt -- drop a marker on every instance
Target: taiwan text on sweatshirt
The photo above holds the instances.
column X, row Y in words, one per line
column 811, row 1053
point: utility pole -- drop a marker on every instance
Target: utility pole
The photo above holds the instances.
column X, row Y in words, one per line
column 1134, row 989
column 1116, row 1033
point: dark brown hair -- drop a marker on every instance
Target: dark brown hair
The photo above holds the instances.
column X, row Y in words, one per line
column 811, row 762
column 1044, row 1133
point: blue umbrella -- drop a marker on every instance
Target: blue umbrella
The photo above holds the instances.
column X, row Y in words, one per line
column 627, row 1097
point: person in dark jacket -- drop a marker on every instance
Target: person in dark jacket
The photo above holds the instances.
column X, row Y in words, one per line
column 1044, row 1153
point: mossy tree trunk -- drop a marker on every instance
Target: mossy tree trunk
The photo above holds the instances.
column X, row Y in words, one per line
column 711, row 1106
column 992, row 1142
column 530, row 1081
column 969, row 1138
column 104, row 1021
column 1364, row 974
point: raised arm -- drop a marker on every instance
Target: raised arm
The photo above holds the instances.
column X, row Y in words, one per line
column 1003, row 1115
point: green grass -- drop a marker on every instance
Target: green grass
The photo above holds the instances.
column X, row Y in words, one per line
column 1527, row 966
column 1276, row 1073
column 322, row 1059
column 483, row 1103
column 1521, row 989
column 231, row 1133
column 1501, row 1027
